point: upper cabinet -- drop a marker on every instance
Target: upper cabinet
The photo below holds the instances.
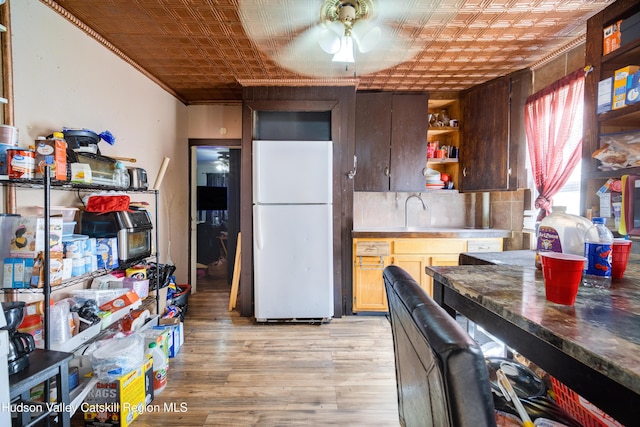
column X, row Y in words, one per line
column 492, row 151
column 390, row 141
column 619, row 120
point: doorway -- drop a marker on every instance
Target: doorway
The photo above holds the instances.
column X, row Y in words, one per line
column 215, row 209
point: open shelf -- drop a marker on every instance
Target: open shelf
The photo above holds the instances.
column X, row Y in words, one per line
column 442, row 130
column 436, row 161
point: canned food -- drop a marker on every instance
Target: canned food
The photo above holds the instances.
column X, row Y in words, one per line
column 21, row 163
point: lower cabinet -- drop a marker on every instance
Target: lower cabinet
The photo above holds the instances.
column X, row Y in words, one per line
column 371, row 256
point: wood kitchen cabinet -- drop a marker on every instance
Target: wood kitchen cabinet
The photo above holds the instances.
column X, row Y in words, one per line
column 370, row 257
column 493, row 146
column 412, row 255
column 391, row 131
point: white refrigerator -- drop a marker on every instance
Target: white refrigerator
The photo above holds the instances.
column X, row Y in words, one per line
column 292, row 230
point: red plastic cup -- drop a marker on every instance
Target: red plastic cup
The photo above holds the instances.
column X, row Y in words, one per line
column 620, row 257
column 562, row 276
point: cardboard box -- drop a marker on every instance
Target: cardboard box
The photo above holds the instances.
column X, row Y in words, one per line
column 605, row 95
column 633, row 88
column 620, row 85
column 56, row 270
column 630, row 35
column 611, row 37
column 629, row 22
column 27, row 239
column 119, row 402
column 126, row 300
column 141, row 287
column 176, row 333
column 3, row 157
column 57, row 148
column 107, row 251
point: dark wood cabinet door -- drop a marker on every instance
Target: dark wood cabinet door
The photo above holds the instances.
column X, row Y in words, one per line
column 373, row 136
column 409, row 126
column 485, row 146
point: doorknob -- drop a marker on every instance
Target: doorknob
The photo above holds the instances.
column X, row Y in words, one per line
column 386, row 171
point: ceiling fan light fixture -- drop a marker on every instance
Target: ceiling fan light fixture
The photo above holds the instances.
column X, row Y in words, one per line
column 367, row 39
column 329, row 41
column 345, row 54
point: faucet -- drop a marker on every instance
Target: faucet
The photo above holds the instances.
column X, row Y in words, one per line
column 424, row 207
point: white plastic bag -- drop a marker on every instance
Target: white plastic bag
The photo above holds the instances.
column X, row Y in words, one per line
column 114, row 357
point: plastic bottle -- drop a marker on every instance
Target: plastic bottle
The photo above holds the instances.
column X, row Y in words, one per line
column 561, row 232
column 121, row 175
column 159, row 368
column 598, row 244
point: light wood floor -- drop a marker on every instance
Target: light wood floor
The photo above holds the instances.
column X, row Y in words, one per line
column 234, row 372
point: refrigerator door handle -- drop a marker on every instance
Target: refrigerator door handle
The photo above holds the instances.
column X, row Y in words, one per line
column 258, row 229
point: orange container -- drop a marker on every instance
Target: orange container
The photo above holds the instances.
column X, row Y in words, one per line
column 579, row 408
column 32, row 324
column 120, row 302
column 56, row 148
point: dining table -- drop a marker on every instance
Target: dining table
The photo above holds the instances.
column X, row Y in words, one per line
column 592, row 346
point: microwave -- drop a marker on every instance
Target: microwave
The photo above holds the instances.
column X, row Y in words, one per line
column 131, row 228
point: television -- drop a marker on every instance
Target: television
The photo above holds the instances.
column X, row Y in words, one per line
column 211, row 198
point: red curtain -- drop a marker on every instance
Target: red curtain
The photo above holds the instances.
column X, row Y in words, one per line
column 553, row 121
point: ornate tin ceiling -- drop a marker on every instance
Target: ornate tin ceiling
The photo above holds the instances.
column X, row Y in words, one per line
column 199, row 51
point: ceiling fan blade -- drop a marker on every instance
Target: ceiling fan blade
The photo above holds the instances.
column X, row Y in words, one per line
column 265, row 19
column 290, row 32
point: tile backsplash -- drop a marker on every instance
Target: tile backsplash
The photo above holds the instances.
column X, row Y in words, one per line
column 444, row 210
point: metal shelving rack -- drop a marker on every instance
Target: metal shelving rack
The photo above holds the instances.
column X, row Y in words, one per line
column 47, row 184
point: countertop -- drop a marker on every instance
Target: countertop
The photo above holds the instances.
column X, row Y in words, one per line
column 601, row 329
column 523, row 258
column 463, row 233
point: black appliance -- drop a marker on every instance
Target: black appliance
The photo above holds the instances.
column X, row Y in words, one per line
column 131, row 228
column 20, row 344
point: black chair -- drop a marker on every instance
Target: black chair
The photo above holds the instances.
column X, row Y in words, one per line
column 441, row 374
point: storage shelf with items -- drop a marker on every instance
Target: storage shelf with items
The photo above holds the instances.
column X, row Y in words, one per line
column 46, row 285
column 612, row 45
column 443, row 138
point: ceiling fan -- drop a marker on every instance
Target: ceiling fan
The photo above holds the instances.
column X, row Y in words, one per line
column 342, row 38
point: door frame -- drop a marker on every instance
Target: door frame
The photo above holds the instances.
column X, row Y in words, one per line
column 194, row 143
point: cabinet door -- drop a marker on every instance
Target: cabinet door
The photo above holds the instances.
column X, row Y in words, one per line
column 373, row 136
column 414, row 265
column 439, row 260
column 368, row 284
column 484, row 152
column 409, row 125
